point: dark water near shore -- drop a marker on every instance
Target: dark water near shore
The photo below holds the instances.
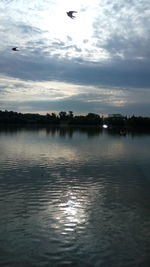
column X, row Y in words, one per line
column 74, row 198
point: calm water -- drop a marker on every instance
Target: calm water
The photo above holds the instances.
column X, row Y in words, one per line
column 74, row 198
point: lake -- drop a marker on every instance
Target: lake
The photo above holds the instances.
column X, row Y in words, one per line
column 74, row 197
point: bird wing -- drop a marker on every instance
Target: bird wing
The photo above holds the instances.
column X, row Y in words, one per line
column 72, row 12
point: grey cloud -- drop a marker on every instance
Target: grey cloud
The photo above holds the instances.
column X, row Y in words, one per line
column 77, row 106
column 28, row 29
column 116, row 72
column 124, row 28
column 69, row 38
column 62, row 45
column 85, row 41
column 74, row 47
column 58, row 44
column 133, row 48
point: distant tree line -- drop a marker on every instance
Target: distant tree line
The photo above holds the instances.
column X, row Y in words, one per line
column 68, row 118
column 62, row 118
column 128, row 122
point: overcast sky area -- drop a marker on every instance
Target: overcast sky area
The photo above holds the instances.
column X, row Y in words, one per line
column 98, row 62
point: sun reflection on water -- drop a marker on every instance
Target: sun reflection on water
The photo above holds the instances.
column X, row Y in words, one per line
column 72, row 212
column 69, row 213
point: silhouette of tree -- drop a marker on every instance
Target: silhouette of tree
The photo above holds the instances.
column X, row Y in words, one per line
column 91, row 119
column 63, row 115
column 70, row 115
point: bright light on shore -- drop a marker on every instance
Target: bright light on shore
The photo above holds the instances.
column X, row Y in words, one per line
column 105, row 126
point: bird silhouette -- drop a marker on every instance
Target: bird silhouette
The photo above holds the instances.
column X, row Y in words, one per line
column 15, row 49
column 70, row 14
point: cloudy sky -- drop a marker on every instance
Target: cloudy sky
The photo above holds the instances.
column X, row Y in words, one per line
column 98, row 62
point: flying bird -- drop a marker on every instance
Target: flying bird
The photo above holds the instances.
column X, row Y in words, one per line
column 15, row 49
column 70, row 14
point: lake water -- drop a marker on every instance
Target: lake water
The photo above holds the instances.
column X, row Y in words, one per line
column 74, row 198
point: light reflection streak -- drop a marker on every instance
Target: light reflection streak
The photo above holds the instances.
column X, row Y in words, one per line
column 71, row 210
column 70, row 214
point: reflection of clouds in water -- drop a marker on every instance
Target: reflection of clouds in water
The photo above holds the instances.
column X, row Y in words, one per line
column 33, row 151
column 46, row 150
column 57, row 149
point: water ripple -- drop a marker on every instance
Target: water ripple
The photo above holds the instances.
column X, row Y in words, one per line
column 77, row 211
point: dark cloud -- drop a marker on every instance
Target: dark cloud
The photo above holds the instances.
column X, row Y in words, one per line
column 117, row 72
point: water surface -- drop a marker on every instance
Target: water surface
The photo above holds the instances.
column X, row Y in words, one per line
column 74, row 198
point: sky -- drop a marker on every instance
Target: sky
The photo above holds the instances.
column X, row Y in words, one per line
column 98, row 62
